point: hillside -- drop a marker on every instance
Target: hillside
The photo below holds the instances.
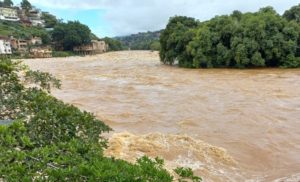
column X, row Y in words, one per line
column 141, row 41
column 20, row 31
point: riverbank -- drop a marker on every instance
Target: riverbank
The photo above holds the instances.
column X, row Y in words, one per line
column 251, row 115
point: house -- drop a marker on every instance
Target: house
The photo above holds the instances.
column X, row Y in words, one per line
column 35, row 17
column 9, row 14
column 20, row 45
column 35, row 41
column 5, row 47
column 40, row 52
column 23, row 17
column 95, row 47
column 99, row 46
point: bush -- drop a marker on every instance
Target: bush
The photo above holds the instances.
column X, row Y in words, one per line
column 62, row 53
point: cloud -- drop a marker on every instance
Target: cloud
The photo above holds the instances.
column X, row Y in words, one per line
column 131, row 16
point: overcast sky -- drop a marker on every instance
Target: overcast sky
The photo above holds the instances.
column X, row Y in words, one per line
column 123, row 17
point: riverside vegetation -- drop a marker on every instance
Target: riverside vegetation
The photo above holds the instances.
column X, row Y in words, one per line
column 48, row 140
column 240, row 40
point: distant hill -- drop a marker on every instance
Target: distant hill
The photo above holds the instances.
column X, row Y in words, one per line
column 141, row 41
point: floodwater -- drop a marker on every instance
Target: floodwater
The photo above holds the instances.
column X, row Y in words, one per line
column 226, row 124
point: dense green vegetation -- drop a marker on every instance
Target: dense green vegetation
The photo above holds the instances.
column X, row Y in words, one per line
column 113, row 44
column 293, row 14
column 19, row 31
column 71, row 34
column 25, row 4
column 50, row 20
column 6, row 3
column 141, row 41
column 63, row 53
column 48, row 140
column 260, row 39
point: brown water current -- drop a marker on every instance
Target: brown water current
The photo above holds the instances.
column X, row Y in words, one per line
column 226, row 124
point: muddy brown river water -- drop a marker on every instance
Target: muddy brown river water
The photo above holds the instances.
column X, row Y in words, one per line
column 226, row 124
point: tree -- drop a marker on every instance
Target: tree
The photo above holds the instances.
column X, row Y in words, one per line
column 50, row 20
column 155, row 46
column 113, row 44
column 174, row 38
column 139, row 41
column 238, row 40
column 71, row 34
column 8, row 3
column 26, row 5
column 293, row 14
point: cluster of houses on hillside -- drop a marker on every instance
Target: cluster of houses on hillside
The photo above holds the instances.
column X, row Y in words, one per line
column 33, row 47
column 32, row 17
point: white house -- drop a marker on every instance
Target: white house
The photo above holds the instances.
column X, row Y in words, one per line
column 5, row 47
column 9, row 14
column 35, row 16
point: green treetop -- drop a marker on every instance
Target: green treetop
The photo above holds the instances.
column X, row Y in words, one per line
column 25, row 4
column 7, row 3
column 293, row 13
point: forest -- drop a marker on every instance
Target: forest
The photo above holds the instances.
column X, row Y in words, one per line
column 238, row 40
column 141, row 41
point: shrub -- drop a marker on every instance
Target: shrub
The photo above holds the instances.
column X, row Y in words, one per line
column 62, row 54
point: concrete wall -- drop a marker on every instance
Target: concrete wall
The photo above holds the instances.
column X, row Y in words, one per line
column 5, row 47
column 9, row 14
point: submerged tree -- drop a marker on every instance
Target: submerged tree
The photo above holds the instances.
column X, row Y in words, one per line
column 174, row 38
column 239, row 40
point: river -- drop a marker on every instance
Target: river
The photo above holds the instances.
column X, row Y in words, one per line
column 226, row 124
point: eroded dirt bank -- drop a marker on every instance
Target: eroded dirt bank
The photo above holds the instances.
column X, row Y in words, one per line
column 226, row 124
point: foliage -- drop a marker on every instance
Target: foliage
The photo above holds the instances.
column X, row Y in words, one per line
column 53, row 141
column 71, row 34
column 238, row 40
column 155, row 46
column 25, row 4
column 113, row 45
column 140, row 41
column 19, row 31
column 293, row 14
column 50, row 20
column 186, row 174
column 174, row 39
column 7, row 3
column 62, row 53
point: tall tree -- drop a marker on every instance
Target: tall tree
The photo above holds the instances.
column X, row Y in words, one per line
column 50, row 20
column 71, row 34
column 293, row 13
column 25, row 4
column 174, row 38
column 8, row 3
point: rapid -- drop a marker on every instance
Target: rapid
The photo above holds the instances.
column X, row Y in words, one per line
column 226, row 124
